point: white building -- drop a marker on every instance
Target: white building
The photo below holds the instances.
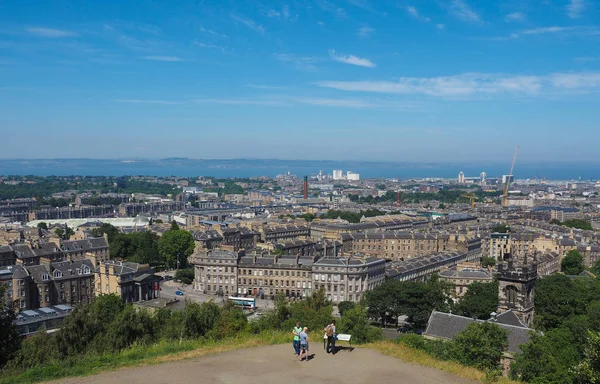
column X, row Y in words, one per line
column 506, row 178
column 461, row 177
column 338, row 174
column 352, row 176
column 482, row 177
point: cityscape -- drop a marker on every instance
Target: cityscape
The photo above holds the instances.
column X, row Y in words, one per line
column 207, row 191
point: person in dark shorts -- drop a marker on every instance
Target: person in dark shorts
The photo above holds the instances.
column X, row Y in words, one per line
column 304, row 343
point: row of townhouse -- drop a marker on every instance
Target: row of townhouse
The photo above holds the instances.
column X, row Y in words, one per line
column 28, row 254
column 237, row 273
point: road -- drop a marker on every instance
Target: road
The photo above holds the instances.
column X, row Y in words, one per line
column 277, row 364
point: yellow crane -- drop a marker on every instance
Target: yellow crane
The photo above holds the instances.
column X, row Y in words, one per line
column 509, row 179
column 470, row 196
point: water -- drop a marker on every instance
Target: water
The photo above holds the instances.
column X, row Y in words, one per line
column 271, row 168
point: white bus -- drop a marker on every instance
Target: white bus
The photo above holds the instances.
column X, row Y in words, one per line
column 243, row 302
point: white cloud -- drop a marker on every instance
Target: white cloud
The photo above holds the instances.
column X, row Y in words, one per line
column 574, row 8
column 415, row 13
column 249, row 23
column 440, row 26
column 475, row 84
column 266, row 103
column 214, row 33
column 283, row 14
column 580, row 30
column 463, row 11
column 49, row 32
column 138, row 101
column 211, row 46
column 163, row 58
column 514, row 16
column 351, row 59
column 365, row 31
column 303, row 63
column 289, row 101
column 263, row 86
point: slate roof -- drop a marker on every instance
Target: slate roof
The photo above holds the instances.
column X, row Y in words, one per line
column 466, row 273
column 447, row 326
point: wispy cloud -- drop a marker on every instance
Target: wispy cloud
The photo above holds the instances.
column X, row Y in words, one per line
column 415, row 13
column 49, row 32
column 263, row 86
column 163, row 58
column 139, row 101
column 211, row 32
column 211, row 46
column 283, row 14
column 474, row 84
column 248, row 23
column 266, row 103
column 575, row 7
column 552, row 30
column 351, row 59
column 289, row 101
column 514, row 16
column 327, row 6
column 303, row 63
column 365, row 31
column 463, row 11
column 364, row 4
column 440, row 26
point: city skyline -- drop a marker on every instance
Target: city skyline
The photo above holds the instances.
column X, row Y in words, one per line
column 342, row 80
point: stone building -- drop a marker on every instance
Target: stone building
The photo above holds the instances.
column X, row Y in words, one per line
column 47, row 284
column 95, row 248
column 517, row 287
column 461, row 278
column 401, row 245
column 227, row 272
column 347, row 279
column 132, row 282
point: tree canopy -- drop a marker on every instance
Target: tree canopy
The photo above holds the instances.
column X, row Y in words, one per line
column 175, row 246
column 572, row 264
column 480, row 300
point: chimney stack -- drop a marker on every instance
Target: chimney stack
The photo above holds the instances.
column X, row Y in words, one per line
column 398, row 198
column 305, row 187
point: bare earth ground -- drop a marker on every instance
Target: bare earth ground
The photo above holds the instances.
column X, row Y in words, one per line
column 277, row 364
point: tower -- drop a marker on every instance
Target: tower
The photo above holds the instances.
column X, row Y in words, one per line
column 305, row 187
column 516, row 288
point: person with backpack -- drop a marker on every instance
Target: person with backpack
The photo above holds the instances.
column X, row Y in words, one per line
column 296, row 343
column 330, row 332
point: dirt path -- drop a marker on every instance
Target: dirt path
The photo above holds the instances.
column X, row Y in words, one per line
column 275, row 365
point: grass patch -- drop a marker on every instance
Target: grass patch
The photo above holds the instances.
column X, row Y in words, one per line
column 418, row 357
column 139, row 355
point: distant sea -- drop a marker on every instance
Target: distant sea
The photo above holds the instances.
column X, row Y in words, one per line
column 254, row 168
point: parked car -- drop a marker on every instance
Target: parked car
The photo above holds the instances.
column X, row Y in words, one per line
column 179, row 293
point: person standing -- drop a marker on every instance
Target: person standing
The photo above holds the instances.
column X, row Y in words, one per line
column 304, row 343
column 296, row 343
column 330, row 332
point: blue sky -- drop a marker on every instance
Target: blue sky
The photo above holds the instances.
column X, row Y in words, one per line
column 445, row 80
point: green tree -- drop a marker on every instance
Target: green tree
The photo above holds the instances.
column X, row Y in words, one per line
column 558, row 297
column 588, row 371
column 501, row 228
column 572, row 264
column 185, row 275
column 43, row 225
column 480, row 300
column 10, row 339
column 110, row 230
column 555, row 221
column 487, row 261
column 345, row 306
column 578, row 224
column 481, row 345
column 547, row 358
column 174, row 226
column 356, row 322
column 175, row 246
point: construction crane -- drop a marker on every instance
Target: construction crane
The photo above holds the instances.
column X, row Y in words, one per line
column 470, row 196
column 509, row 179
